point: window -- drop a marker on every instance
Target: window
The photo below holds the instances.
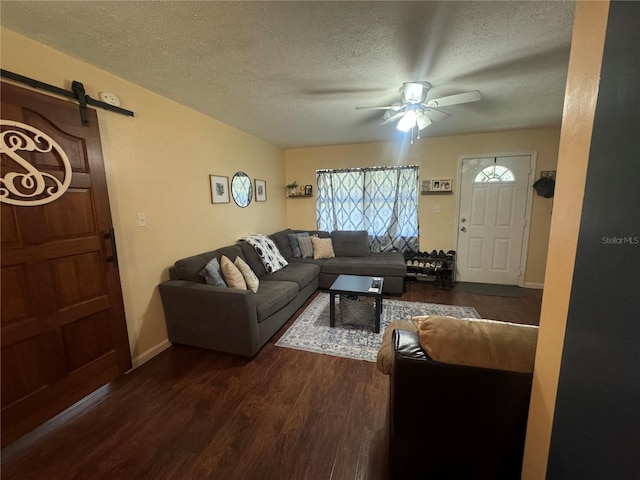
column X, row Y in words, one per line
column 495, row 173
column 383, row 201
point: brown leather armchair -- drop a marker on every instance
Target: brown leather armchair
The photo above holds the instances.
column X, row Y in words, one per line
column 450, row 421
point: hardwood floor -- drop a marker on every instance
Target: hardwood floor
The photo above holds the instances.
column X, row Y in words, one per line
column 194, row 414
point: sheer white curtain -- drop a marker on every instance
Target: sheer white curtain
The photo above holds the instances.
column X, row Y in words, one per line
column 381, row 200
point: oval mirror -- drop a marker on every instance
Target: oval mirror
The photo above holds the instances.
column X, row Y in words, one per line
column 241, row 189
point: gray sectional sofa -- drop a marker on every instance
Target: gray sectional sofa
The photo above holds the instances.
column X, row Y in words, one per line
column 353, row 257
column 241, row 321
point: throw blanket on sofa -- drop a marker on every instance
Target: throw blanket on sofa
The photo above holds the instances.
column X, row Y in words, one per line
column 268, row 252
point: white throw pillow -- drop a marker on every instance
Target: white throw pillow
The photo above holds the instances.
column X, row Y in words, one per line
column 232, row 275
column 249, row 277
column 322, row 248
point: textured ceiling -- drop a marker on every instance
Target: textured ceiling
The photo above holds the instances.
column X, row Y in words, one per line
column 292, row 73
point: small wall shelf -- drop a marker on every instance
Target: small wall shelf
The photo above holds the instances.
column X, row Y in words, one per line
column 300, row 196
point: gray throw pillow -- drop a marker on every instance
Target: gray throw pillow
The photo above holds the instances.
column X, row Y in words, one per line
column 306, row 247
column 295, row 245
column 212, row 273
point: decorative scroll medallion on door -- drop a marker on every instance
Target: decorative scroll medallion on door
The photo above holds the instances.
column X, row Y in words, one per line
column 31, row 187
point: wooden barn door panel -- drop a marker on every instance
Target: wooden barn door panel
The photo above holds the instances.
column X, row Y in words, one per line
column 63, row 325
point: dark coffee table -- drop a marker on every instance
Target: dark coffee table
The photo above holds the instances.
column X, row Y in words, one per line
column 356, row 285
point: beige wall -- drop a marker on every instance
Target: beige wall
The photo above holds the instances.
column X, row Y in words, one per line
column 159, row 163
column 437, row 157
column 579, row 110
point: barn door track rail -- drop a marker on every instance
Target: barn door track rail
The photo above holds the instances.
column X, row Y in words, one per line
column 76, row 93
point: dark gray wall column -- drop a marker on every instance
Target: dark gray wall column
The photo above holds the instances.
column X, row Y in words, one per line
column 596, row 427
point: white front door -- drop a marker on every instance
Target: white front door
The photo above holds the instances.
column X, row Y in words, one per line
column 492, row 218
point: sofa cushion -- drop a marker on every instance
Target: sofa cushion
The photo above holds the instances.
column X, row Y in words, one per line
column 268, row 252
column 189, row 268
column 306, row 247
column 272, row 296
column 385, row 353
column 212, row 273
column 281, row 240
column 232, row 275
column 249, row 277
column 375, row 265
column 317, row 233
column 479, row 343
column 252, row 258
column 353, row 243
column 301, row 273
column 231, row 252
column 293, row 242
column 322, row 248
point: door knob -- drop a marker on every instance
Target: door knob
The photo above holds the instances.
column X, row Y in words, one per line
column 463, row 229
column 463, row 220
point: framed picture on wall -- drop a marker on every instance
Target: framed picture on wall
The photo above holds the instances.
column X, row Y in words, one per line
column 308, row 190
column 441, row 184
column 261, row 190
column 436, row 185
column 219, row 189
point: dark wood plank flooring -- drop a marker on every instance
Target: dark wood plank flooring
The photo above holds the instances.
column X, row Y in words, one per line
column 195, row 414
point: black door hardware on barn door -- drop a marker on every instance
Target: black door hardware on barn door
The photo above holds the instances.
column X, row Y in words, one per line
column 76, row 93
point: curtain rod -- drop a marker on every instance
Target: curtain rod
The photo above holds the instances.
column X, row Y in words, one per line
column 362, row 169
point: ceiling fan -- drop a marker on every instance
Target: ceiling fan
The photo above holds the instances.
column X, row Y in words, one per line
column 416, row 111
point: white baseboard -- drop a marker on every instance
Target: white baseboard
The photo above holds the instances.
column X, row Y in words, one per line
column 537, row 286
column 149, row 354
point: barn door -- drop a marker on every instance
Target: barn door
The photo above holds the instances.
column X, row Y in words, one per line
column 63, row 326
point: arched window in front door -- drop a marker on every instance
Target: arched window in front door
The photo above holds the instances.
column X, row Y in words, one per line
column 495, row 173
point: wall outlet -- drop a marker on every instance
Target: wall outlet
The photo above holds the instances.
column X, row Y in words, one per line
column 548, row 173
column 142, row 219
column 436, row 209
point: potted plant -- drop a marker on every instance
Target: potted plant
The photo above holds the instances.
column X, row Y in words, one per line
column 293, row 188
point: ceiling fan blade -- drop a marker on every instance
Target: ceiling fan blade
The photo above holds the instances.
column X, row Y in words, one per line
column 393, row 117
column 456, row 99
column 436, row 115
column 390, row 107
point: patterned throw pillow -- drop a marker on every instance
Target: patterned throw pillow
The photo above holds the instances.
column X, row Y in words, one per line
column 322, row 248
column 249, row 277
column 212, row 274
column 232, row 275
column 268, row 252
column 306, row 247
column 295, row 245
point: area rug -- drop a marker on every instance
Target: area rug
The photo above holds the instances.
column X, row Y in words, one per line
column 492, row 289
column 311, row 330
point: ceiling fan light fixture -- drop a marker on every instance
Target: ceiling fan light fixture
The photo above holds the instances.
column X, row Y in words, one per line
column 415, row 112
column 407, row 122
column 423, row 121
column 415, row 92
